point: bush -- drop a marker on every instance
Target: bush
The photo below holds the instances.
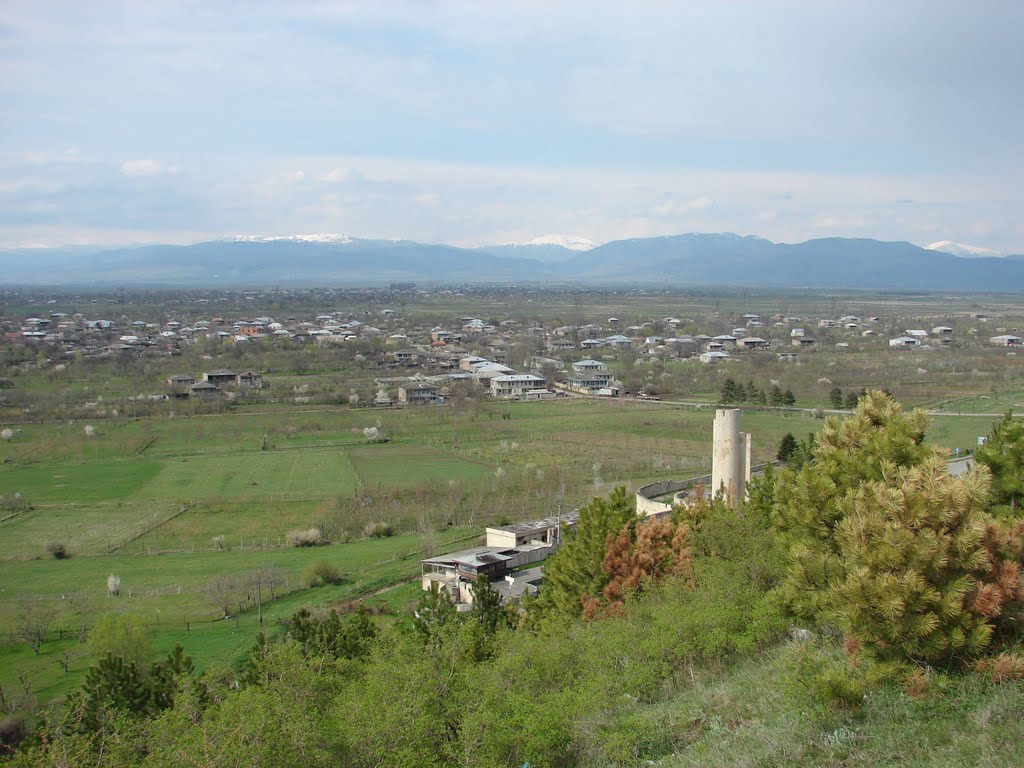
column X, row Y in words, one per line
column 322, row 573
column 378, row 530
column 58, row 549
column 12, row 732
column 312, row 537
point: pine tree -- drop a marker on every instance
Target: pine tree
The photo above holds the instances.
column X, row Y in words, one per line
column 775, row 395
column 811, row 495
column 787, row 446
column 912, row 547
column 433, row 611
column 851, row 400
column 637, row 557
column 885, row 545
column 1003, row 454
column 730, row 391
column 835, row 397
column 750, row 395
column 788, row 398
column 574, row 572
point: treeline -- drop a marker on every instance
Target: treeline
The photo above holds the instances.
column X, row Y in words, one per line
column 735, row 393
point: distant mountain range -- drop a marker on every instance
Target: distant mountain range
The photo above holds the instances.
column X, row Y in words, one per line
column 679, row 260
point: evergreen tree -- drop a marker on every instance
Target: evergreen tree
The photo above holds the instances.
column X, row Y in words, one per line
column 574, row 572
column 1003, row 454
column 886, row 546
column 762, row 398
column 851, row 399
column 788, row 398
column 811, row 495
column 750, row 395
column 434, row 611
column 913, row 555
column 787, row 447
column 835, row 397
column 487, row 607
column 775, row 395
column 637, row 558
column 730, row 391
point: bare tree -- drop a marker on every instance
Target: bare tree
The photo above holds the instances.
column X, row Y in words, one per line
column 34, row 617
column 84, row 612
column 269, row 576
column 224, row 592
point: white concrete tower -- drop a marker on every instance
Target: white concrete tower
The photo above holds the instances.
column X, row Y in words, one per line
column 730, row 462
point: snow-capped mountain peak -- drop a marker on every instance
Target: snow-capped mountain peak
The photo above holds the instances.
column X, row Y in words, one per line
column 570, row 242
column 962, row 250
column 321, row 238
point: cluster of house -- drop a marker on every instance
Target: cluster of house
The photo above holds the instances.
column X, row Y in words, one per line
column 212, row 383
column 494, row 378
column 473, row 348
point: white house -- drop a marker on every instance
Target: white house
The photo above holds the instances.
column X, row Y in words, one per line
column 516, row 385
column 1006, row 340
column 904, row 341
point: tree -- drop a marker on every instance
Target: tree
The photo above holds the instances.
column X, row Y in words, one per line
column 851, row 399
column 434, row 610
column 913, row 561
column 787, row 447
column 788, row 398
column 33, row 619
column 775, row 395
column 639, row 556
column 574, row 572
column 119, row 635
column 487, row 607
column 750, row 394
column 886, row 546
column 730, row 391
column 835, row 396
column 810, row 498
column 1003, row 454
column 224, row 593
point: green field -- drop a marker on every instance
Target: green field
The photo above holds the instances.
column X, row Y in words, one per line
column 246, row 475
column 92, row 481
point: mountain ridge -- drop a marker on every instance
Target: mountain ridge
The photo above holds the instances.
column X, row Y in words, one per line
column 725, row 259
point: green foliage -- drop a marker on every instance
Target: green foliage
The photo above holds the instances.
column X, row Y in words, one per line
column 434, row 611
column 321, row 574
column 325, row 633
column 574, row 572
column 835, row 397
column 877, row 438
column 787, row 447
column 115, row 686
column 731, row 392
column 885, row 545
column 121, row 636
column 1003, row 454
column 912, row 549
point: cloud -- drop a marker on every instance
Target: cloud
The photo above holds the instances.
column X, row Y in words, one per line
column 427, row 199
column 142, row 167
column 670, row 207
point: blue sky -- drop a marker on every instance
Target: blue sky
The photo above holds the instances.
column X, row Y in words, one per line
column 488, row 122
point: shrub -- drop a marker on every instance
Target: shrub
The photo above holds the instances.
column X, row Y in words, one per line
column 12, row 732
column 380, row 530
column 58, row 549
column 311, row 537
column 322, row 573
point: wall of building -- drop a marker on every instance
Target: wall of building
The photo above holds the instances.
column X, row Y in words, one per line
column 645, row 496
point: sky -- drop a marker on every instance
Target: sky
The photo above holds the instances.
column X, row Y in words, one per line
column 488, row 122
